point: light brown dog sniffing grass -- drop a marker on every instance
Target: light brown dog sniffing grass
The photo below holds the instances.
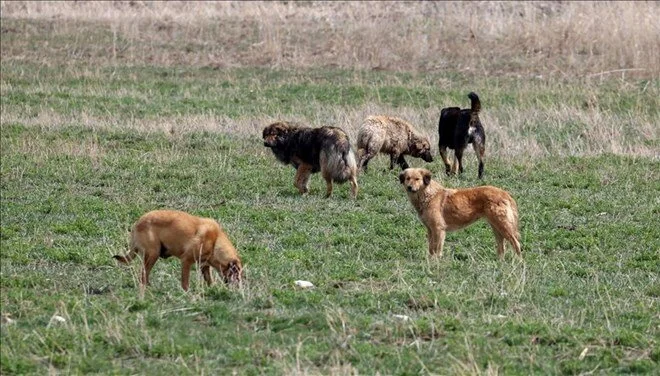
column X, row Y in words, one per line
column 194, row 240
column 392, row 136
column 442, row 209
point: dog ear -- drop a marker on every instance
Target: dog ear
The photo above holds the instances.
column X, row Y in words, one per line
column 426, row 175
column 402, row 176
column 282, row 128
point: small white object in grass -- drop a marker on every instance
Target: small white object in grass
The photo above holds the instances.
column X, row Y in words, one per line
column 304, row 284
column 56, row 319
column 402, row 317
column 583, row 353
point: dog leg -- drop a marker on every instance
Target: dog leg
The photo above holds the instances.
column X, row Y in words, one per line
column 367, row 158
column 185, row 273
column 430, row 236
column 458, row 160
column 510, row 236
column 479, row 150
column 206, row 272
column 443, row 154
column 328, row 188
column 364, row 165
column 354, row 186
column 393, row 158
column 513, row 239
column 436, row 238
column 402, row 162
column 150, row 258
column 327, row 175
column 440, row 242
column 364, row 158
column 500, row 242
column 303, row 174
column 506, row 230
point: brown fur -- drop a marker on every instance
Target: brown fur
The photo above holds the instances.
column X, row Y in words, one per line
column 165, row 233
column 393, row 136
column 310, row 150
column 441, row 209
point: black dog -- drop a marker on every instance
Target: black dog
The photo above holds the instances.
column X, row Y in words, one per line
column 310, row 150
column 457, row 128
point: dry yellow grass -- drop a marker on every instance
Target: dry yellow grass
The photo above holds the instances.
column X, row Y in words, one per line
column 577, row 42
column 507, row 128
column 529, row 38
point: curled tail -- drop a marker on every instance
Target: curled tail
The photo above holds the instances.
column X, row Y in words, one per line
column 476, row 103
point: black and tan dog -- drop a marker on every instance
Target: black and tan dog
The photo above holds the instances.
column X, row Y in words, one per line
column 194, row 240
column 310, row 150
column 441, row 209
column 393, row 136
column 456, row 129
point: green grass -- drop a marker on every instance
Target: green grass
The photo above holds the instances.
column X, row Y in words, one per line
column 142, row 92
column 87, row 147
column 589, row 278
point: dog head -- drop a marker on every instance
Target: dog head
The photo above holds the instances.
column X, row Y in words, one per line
column 232, row 273
column 273, row 133
column 414, row 179
column 421, row 148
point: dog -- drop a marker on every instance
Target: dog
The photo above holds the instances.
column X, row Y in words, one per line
column 441, row 209
column 310, row 150
column 456, row 129
column 393, row 136
column 165, row 233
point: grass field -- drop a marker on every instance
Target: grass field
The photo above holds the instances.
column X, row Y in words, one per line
column 88, row 145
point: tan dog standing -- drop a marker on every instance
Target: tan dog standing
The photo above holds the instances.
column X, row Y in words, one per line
column 194, row 240
column 442, row 209
column 393, row 136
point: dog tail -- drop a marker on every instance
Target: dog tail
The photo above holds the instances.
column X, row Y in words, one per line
column 340, row 161
column 125, row 259
column 129, row 257
column 476, row 103
column 512, row 214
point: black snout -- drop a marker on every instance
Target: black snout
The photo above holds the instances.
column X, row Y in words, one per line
column 409, row 188
column 266, row 144
column 427, row 157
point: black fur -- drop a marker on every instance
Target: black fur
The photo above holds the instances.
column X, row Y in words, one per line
column 402, row 176
column 164, row 252
column 298, row 143
column 457, row 128
column 310, row 147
